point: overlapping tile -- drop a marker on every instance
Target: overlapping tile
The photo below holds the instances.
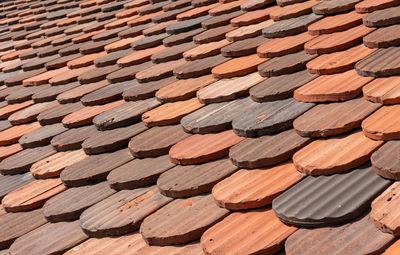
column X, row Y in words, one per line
column 373, row 125
column 41, row 136
column 73, row 138
column 384, row 161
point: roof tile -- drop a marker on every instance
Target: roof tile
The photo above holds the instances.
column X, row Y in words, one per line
column 328, row 8
column 293, row 10
column 383, row 90
column 57, row 113
column 211, row 35
column 382, row 124
column 73, row 138
column 336, row 23
column 238, row 66
column 374, row 5
column 146, row 90
column 383, row 62
column 246, row 32
column 41, row 136
column 205, row 50
column 243, row 47
column 383, row 17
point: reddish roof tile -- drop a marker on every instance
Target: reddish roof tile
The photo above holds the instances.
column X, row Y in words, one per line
column 234, row 234
column 204, row 50
column 107, row 94
column 7, row 110
column 146, row 90
column 293, row 10
column 212, row 35
column 57, row 113
column 158, row 71
column 197, row 12
column 171, row 53
column 237, row 66
column 247, row 31
column 202, row 148
column 12, row 134
column 393, row 249
column 12, row 182
column 382, row 90
column 328, row 156
column 6, row 151
column 122, row 212
column 336, row 23
column 335, row 7
column 373, row 5
column 32, row 195
column 382, row 124
column 180, row 222
column 383, row 17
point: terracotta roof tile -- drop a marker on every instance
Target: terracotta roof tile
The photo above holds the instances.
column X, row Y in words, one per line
column 252, row 17
column 156, row 141
column 51, row 93
column 211, row 35
column 180, row 220
column 203, row 148
column 335, row 7
column 111, row 58
column 73, row 138
column 336, row 23
column 246, row 32
column 146, row 90
column 360, row 236
column 74, row 95
column 220, row 20
column 383, row 37
column 18, row 224
column 69, row 76
column 32, row 195
column 122, row 212
column 374, row 128
column 186, row 26
column 293, row 10
column 24, row 94
column 382, row 90
column 56, row 114
column 131, row 174
column 234, row 234
column 107, row 93
column 205, row 50
column 29, row 114
column 171, row 53
column 191, row 248
column 6, row 151
column 37, row 241
column 13, row 182
column 339, row 118
column 149, row 41
column 226, row 8
column 187, row 181
column 243, row 47
column 195, row 13
column 373, row 5
column 7, row 110
column 237, row 66
column 127, row 73
column 383, row 17
column 393, row 249
column 158, row 71
column 382, row 62
column 328, row 156
column 337, row 87
column 41, row 136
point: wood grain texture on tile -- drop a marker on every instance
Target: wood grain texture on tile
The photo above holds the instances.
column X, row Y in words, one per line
column 293, row 10
column 237, row 66
column 252, row 17
column 57, row 113
column 234, row 234
column 393, row 249
column 383, row 37
column 383, row 90
column 383, row 62
column 32, row 195
column 180, row 222
column 328, row 156
column 212, row 35
column 327, row 8
column 73, row 138
column 41, row 136
column 9, row 183
column 374, row 5
column 107, row 94
column 382, row 124
column 384, row 161
column 30, row 113
column 246, row 32
column 336, row 23
column 198, row 67
column 146, row 90
column 383, row 17
column 122, row 212
column 198, row 149
column 12, row 134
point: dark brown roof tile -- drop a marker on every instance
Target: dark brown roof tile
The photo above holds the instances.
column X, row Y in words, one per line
column 254, row 4
column 107, row 94
column 146, row 90
column 127, row 73
column 171, row 53
column 170, row 15
column 383, row 17
column 198, row 67
column 383, row 37
column 335, row 7
column 383, row 62
column 159, row 71
column 30, row 113
column 73, row 138
column 57, row 113
column 97, row 74
column 187, row 25
column 243, row 47
column 13, row 182
column 373, row 5
column 221, row 20
column 41, row 136
column 75, row 94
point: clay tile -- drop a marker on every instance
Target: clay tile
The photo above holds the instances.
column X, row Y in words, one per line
column 69, row 76
column 339, row 118
column 197, row 12
column 75, row 94
column 234, row 234
column 97, row 74
column 41, row 136
column 373, row 125
column 383, row 37
column 44, row 78
column 179, row 213
column 154, row 7
column 18, row 224
column 238, row 66
column 155, row 141
column 382, row 90
column 6, row 151
column 338, row 61
column 254, row 4
column 85, row 60
column 131, row 176
column 13, row 182
column 53, row 165
column 282, row 46
column 37, row 241
column 374, row 5
column 158, row 71
column 187, row 25
column 226, row 8
column 171, row 53
column 107, row 94
column 56, row 114
column 17, row 78
column 285, row 64
column 38, row 63
column 127, row 73
column 170, row 15
column 361, row 237
column 330, row 88
column 30, row 113
column 143, row 19
column 212, row 35
column 381, row 18
column 86, row 37
column 205, row 50
column 280, row 87
column 383, row 62
column 73, row 138
column 247, row 31
column 267, row 150
column 221, row 20
column 7, row 110
column 252, row 17
column 176, row 5
column 139, row 57
column 51, row 93
column 334, row 154
column 112, row 58
column 85, row 115
column 293, row 11
column 384, row 162
column 214, row 146
column 122, row 212
column 335, row 23
column 32, row 195
column 159, row 28
column 198, row 67
column 13, row 55
column 334, row 7
column 68, row 205
column 393, row 249
column 108, row 34
column 248, row 189
column 243, row 47
column 12, row 134
column 291, row 26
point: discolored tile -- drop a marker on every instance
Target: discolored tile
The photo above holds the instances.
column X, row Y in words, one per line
column 347, row 196
column 237, row 66
column 287, row 64
column 51, row 93
column 280, row 87
column 330, row 88
column 269, row 118
column 18, row 224
column 73, row 138
column 340, row 61
column 252, row 17
column 146, row 90
column 187, row 181
column 292, row 26
column 393, row 249
column 156, row 141
column 236, row 233
column 85, row 60
column 41, row 136
column 94, row 168
column 246, row 32
column 382, row 124
column 69, row 205
column 198, row 149
column 181, row 221
column 244, row 47
column 187, row 25
column 221, row 20
column 183, row 89
column 225, row 8
column 170, row 113
column 159, row 71
column 149, row 41
column 267, row 150
column 254, row 4
column 9, row 183
column 127, row 73
column 122, row 212
column 97, row 74
column 248, row 189
column 204, row 50
column 383, row 90
column 293, row 10
column 374, row 5
column 124, row 115
column 383, row 62
column 171, row 53
column 131, row 174
column 57, row 113
column 212, row 35
column 18, row 78
column 383, row 37
column 198, row 67
column 215, row 117
column 24, row 94
column 107, row 94
column 196, row 12
column 384, row 161
column 335, row 7
column 139, row 57
column 85, row 115
column 32, row 195
column 64, row 235
column 111, row 58
column 338, row 118
column 360, row 236
column 8, row 110
column 170, row 15
column 329, row 156
column 383, row 17
column 69, row 76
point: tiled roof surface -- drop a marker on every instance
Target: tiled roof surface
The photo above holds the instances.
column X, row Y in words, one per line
column 199, row 127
